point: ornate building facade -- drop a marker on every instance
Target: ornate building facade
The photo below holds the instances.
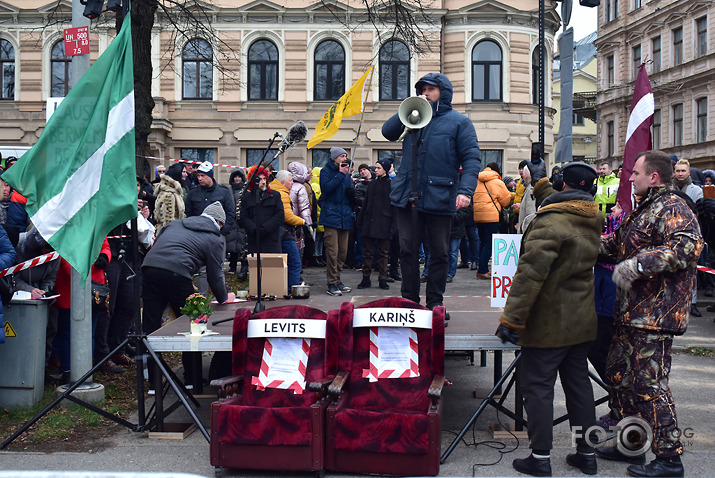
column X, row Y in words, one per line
column 290, row 62
column 674, row 39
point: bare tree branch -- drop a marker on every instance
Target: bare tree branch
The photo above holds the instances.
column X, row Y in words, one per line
column 407, row 20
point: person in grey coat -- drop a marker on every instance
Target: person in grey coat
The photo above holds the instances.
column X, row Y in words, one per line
column 179, row 251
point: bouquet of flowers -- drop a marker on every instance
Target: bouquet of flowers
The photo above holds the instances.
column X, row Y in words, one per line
column 197, row 307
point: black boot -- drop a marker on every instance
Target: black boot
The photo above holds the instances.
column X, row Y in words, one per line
column 395, row 274
column 659, row 467
column 533, row 466
column 584, row 462
column 366, row 283
column 383, row 284
column 612, row 453
column 243, row 275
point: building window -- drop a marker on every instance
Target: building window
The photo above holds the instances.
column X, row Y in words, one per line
column 394, row 154
column 615, row 9
column 535, row 76
column 61, row 71
column 7, row 70
column 486, row 72
column 578, row 120
column 198, row 155
column 702, row 26
column 637, row 4
column 702, row 119
column 677, row 46
column 492, row 156
column 656, row 54
column 394, row 71
column 197, row 61
column 255, row 156
column 656, row 129
column 608, row 10
column 611, row 138
column 636, row 60
column 329, row 71
column 611, row 70
column 678, row 125
column 263, row 71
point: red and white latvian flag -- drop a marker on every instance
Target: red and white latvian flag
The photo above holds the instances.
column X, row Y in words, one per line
column 638, row 137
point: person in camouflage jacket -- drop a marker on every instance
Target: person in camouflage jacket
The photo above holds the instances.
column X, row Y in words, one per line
column 656, row 249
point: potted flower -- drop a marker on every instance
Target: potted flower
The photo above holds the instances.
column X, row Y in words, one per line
column 197, row 307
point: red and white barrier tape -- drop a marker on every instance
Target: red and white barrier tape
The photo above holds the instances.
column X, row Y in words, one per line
column 51, row 256
column 706, row 269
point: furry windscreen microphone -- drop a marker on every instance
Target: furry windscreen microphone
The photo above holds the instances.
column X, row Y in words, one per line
column 297, row 133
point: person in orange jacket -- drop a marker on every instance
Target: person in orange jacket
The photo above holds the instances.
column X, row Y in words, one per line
column 490, row 197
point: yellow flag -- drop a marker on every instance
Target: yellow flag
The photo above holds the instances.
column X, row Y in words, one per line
column 348, row 105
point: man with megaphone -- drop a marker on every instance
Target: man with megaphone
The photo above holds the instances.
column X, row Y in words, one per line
column 438, row 141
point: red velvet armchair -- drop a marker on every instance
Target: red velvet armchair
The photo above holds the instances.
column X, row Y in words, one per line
column 386, row 425
column 266, row 428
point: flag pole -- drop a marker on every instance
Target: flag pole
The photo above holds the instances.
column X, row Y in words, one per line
column 362, row 116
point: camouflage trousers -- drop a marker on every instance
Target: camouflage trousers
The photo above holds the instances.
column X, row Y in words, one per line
column 638, row 366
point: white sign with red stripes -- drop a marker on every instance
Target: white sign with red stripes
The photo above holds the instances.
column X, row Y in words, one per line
column 392, row 317
column 286, row 327
column 394, row 353
column 284, row 363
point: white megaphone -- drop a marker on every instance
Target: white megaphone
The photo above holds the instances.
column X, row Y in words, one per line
column 415, row 112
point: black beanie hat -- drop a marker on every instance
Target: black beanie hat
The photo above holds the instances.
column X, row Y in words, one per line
column 579, row 175
column 386, row 164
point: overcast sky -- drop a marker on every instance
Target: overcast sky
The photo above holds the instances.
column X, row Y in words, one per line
column 583, row 20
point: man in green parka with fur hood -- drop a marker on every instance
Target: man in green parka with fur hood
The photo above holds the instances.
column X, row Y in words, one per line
column 550, row 312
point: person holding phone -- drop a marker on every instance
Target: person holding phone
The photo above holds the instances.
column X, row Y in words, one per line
column 336, row 202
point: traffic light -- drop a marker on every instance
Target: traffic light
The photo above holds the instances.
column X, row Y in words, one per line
column 92, row 8
column 589, row 3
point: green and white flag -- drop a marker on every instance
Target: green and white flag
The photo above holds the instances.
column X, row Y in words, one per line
column 79, row 179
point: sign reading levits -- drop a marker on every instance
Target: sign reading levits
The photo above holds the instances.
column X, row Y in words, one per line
column 9, row 331
column 77, row 41
column 286, row 327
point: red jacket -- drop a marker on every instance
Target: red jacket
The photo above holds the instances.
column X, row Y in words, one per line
column 63, row 281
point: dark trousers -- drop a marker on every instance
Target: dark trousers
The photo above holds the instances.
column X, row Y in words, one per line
column 159, row 288
column 437, row 229
column 638, row 368
column 537, row 370
column 383, row 246
column 121, row 301
column 486, row 230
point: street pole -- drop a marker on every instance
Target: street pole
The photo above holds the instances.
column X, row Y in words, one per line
column 80, row 308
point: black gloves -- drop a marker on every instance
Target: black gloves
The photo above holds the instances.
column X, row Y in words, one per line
column 538, row 171
column 101, row 261
column 506, row 334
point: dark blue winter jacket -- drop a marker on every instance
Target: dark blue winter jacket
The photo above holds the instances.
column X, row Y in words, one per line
column 336, row 210
column 7, row 258
column 447, row 142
